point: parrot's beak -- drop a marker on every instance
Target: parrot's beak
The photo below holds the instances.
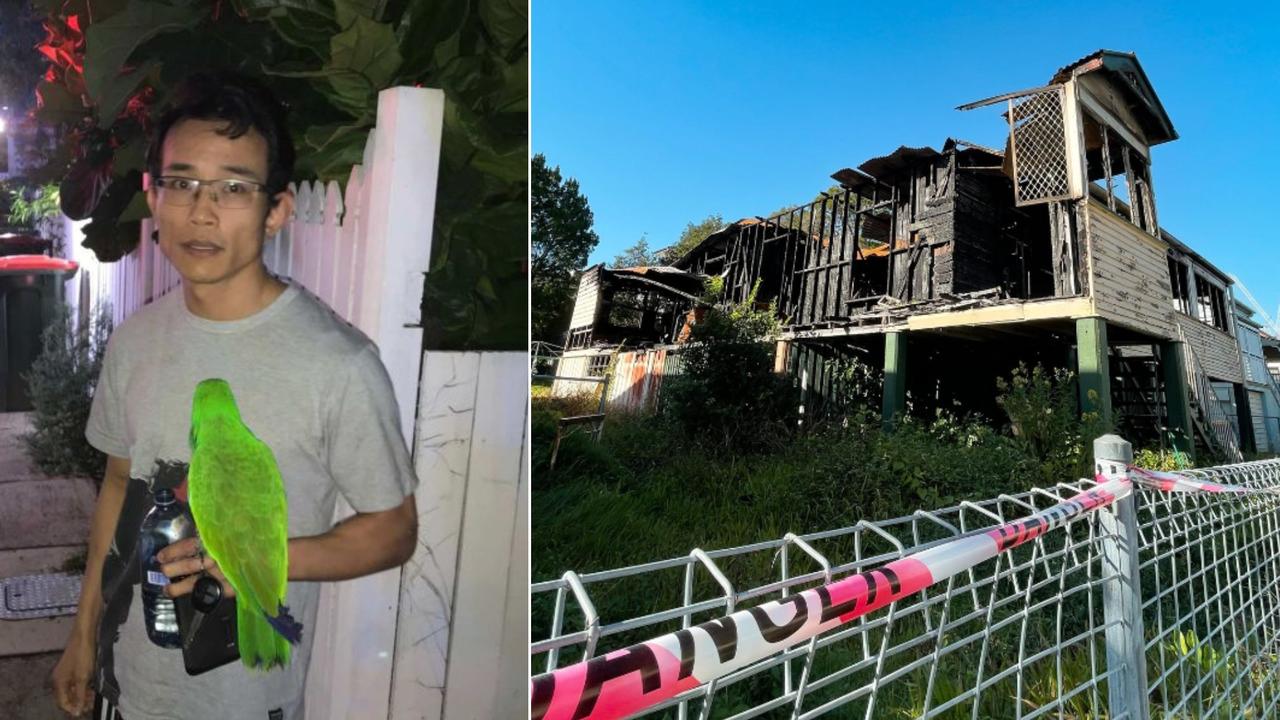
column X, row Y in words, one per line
column 181, row 490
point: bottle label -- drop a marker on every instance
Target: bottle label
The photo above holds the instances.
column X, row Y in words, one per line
column 156, row 577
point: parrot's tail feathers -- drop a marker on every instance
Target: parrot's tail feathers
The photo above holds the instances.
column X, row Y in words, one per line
column 260, row 647
column 284, row 624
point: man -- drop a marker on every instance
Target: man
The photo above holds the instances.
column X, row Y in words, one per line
column 307, row 384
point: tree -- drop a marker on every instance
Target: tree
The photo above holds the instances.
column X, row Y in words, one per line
column 693, row 234
column 727, row 394
column 637, row 255
column 562, row 241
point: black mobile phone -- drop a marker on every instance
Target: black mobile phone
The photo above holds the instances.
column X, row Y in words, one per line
column 214, row 642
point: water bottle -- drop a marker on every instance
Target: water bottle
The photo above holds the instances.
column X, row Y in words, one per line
column 168, row 522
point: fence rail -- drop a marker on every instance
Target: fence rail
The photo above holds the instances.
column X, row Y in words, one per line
column 1133, row 595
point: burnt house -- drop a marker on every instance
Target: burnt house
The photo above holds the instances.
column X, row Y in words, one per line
column 948, row 267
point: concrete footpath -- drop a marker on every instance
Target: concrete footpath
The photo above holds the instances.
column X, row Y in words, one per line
column 44, row 524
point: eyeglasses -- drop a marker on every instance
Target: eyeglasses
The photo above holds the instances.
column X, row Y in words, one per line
column 227, row 194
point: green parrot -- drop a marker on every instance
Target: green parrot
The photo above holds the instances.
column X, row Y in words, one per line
column 238, row 502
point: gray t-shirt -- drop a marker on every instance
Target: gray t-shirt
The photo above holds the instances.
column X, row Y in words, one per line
column 310, row 386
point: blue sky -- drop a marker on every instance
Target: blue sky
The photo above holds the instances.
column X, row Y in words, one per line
column 668, row 111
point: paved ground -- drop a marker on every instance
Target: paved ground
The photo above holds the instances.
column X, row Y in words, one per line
column 44, row 523
column 24, row 694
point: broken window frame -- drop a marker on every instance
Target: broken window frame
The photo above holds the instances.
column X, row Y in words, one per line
column 1211, row 304
column 578, row 338
column 626, row 308
column 1197, row 295
column 1134, row 171
column 598, row 365
column 1178, row 286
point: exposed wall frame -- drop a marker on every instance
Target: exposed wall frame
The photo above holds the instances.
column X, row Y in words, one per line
column 1102, row 113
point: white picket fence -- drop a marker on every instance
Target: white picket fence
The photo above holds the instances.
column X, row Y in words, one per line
column 388, row 645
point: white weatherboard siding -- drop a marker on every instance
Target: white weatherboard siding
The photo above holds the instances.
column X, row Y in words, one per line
column 587, row 301
column 1130, row 274
column 1216, row 349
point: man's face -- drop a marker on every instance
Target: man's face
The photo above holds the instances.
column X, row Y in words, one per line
column 208, row 244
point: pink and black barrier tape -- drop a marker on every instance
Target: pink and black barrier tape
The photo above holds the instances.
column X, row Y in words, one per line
column 623, row 682
column 1176, row 482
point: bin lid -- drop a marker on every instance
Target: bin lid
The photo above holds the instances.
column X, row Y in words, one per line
column 36, row 263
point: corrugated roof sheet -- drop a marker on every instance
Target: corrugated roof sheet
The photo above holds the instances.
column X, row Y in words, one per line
column 896, row 161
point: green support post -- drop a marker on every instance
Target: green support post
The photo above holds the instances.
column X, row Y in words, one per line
column 895, row 379
column 1177, row 398
column 1244, row 419
column 1093, row 367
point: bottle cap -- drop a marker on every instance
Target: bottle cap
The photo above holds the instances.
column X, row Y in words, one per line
column 164, row 496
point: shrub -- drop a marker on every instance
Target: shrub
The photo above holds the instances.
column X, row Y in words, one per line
column 1162, row 459
column 61, row 383
column 1046, row 422
column 727, row 394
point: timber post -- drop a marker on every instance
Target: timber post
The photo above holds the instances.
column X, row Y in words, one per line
column 1093, row 367
column 895, row 379
column 1177, row 398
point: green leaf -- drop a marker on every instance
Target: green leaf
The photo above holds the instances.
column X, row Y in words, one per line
column 110, row 240
column 58, row 105
column 131, row 156
column 346, row 11
column 323, row 8
column 423, row 26
column 309, row 31
column 507, row 22
column 110, row 42
column 97, row 9
column 137, row 208
column 363, row 59
column 484, row 288
column 319, row 137
column 333, row 150
column 117, row 90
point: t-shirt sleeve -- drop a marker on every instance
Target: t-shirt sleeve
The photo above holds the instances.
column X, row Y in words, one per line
column 106, row 428
column 367, row 455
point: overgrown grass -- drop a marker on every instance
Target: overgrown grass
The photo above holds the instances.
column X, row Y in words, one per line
column 650, row 492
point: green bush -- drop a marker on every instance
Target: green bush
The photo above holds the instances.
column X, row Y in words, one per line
column 1046, row 422
column 61, row 383
column 1162, row 459
column 727, row 394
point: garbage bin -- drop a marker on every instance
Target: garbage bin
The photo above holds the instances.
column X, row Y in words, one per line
column 24, row 244
column 31, row 287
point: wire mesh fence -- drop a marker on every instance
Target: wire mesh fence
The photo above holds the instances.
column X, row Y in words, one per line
column 1149, row 601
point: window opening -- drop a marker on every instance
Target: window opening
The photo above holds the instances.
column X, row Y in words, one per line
column 1119, row 175
column 598, row 365
column 1178, row 285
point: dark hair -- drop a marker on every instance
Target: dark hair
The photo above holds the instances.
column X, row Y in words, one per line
column 244, row 104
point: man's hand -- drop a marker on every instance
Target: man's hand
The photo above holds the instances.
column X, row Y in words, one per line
column 73, row 673
column 186, row 559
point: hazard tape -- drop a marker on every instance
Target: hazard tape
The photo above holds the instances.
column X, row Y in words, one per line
column 1177, row 482
column 619, row 683
column 623, row 682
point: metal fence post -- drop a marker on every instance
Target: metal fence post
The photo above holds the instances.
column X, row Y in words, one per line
column 1122, row 587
